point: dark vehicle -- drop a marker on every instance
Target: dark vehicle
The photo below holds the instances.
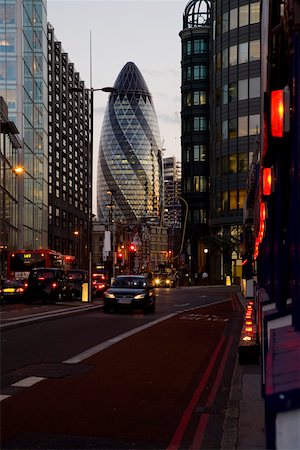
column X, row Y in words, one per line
column 130, row 292
column 12, row 289
column 47, row 285
column 76, row 278
column 99, row 284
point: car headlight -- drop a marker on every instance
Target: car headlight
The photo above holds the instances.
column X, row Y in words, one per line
column 109, row 295
column 139, row 296
column 157, row 281
column 167, row 281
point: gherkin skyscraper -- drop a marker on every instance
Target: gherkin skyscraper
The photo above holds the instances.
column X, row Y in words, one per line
column 129, row 176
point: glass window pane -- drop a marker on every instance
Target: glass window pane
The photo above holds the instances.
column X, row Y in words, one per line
column 233, row 199
column 244, row 15
column 243, row 89
column 224, row 129
column 254, row 124
column 255, row 12
column 254, row 87
column 225, row 58
column 225, row 94
column 225, row 201
column 233, row 18
column 188, row 99
column 232, row 128
column 218, row 61
column 203, row 152
column 232, row 92
column 232, row 163
column 233, row 55
column 224, row 165
column 254, row 54
column 243, row 53
column 242, row 196
column 196, row 152
column 243, row 162
column 225, row 22
column 243, row 126
column 188, row 47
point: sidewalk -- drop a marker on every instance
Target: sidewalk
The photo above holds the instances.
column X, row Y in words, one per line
column 244, row 425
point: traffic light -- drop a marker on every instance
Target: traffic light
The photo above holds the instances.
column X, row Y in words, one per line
column 132, row 248
column 120, row 260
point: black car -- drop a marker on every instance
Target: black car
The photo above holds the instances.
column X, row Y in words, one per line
column 12, row 289
column 47, row 285
column 76, row 278
column 130, row 292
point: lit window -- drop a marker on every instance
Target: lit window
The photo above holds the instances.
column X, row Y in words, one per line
column 243, row 162
column 243, row 126
column 244, row 15
column 242, row 196
column 232, row 163
column 224, row 201
column 233, row 199
column 255, row 12
column 254, row 54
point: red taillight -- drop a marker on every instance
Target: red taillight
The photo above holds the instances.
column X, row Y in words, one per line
column 41, row 278
column 20, row 290
column 54, row 285
column 25, row 285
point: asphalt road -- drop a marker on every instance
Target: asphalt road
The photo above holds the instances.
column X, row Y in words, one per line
column 92, row 380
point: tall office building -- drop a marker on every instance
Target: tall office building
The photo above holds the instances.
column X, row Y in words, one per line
column 23, row 85
column 70, row 160
column 172, row 192
column 195, row 128
column 234, row 124
column 130, row 155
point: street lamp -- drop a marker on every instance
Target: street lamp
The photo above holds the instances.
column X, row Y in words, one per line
column 111, row 226
column 91, row 90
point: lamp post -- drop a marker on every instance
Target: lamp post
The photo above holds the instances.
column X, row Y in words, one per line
column 91, row 144
column 112, row 229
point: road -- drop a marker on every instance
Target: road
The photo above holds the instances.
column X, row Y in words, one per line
column 85, row 379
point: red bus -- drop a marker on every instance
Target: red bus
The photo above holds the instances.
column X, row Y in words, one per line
column 20, row 263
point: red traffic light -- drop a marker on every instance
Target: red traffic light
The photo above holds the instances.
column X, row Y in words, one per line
column 132, row 248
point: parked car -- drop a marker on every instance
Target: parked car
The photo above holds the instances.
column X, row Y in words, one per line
column 47, row 285
column 76, row 278
column 130, row 292
column 99, row 284
column 12, row 289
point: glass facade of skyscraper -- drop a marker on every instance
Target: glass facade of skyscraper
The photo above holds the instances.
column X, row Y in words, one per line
column 130, row 161
column 23, row 85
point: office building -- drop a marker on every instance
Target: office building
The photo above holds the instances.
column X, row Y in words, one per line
column 234, row 124
column 23, row 85
column 195, row 119
column 129, row 178
column 172, row 191
column 10, row 145
column 70, row 158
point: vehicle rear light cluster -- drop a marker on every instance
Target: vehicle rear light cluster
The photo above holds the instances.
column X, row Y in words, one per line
column 54, row 285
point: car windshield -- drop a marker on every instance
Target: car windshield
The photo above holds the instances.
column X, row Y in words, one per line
column 130, row 282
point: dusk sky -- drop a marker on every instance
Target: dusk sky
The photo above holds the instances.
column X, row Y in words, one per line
column 145, row 32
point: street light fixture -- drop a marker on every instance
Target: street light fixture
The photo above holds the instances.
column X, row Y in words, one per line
column 91, row 90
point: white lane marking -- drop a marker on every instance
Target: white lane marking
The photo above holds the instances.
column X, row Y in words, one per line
column 98, row 348
column 25, row 319
column 28, row 382
column 182, row 304
column 3, row 397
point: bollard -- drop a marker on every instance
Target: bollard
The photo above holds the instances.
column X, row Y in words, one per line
column 84, row 292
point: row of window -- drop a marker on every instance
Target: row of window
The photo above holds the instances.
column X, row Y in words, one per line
column 195, row 47
column 197, row 216
column 195, row 184
column 195, row 153
column 230, row 200
column 238, row 54
column 241, row 127
column 230, row 164
column 196, row 123
column 237, row 17
column 238, row 90
column 195, row 72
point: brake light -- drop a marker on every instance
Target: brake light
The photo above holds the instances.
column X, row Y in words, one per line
column 54, row 285
column 25, row 285
column 41, row 278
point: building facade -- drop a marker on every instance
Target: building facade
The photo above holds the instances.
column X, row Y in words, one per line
column 70, row 158
column 129, row 178
column 10, row 145
column 23, row 85
column 234, row 126
column 195, row 119
column 172, row 191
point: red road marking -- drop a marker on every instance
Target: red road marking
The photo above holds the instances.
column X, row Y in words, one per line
column 202, row 424
column 178, row 435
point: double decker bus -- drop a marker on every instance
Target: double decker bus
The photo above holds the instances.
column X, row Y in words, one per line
column 21, row 262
